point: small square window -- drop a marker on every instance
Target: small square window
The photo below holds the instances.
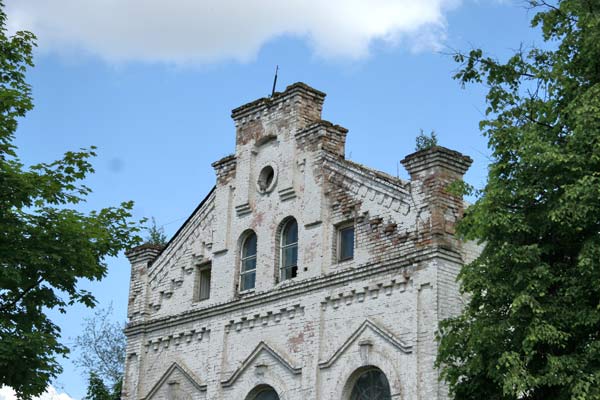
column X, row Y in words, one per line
column 346, row 243
column 203, row 282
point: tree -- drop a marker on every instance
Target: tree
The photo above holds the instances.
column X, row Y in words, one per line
column 531, row 328
column 45, row 246
column 156, row 234
column 424, row 141
column 101, row 348
column 96, row 389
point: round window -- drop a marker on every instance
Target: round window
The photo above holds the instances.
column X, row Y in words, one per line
column 266, row 179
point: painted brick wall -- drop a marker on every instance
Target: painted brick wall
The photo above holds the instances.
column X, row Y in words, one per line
column 308, row 336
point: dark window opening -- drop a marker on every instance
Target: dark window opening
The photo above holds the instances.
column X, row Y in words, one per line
column 289, row 251
column 248, row 263
column 346, row 243
column 265, row 179
column 203, row 283
column 371, row 385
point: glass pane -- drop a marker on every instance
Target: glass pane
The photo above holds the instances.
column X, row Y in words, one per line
column 268, row 394
column 371, row 385
column 288, row 273
column 249, row 246
column 290, row 233
column 289, row 256
column 248, row 280
column 205, row 284
column 347, row 243
column 249, row 264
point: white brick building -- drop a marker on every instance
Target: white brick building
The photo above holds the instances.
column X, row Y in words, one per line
column 301, row 275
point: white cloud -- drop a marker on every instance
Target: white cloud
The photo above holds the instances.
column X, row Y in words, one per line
column 7, row 393
column 204, row 31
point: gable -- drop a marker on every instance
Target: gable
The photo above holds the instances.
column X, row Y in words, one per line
column 367, row 326
column 177, row 382
column 262, row 348
column 191, row 245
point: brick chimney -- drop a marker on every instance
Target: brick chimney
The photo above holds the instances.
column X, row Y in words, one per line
column 431, row 171
column 140, row 257
column 285, row 113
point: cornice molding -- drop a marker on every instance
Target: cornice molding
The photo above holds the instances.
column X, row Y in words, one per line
column 296, row 288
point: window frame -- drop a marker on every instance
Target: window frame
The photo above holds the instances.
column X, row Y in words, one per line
column 341, row 228
column 243, row 259
column 200, row 270
column 282, row 247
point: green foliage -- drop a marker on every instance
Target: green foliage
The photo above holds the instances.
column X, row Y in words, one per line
column 531, row 328
column 96, row 389
column 156, row 234
column 45, row 247
column 115, row 392
column 101, row 346
column 424, row 141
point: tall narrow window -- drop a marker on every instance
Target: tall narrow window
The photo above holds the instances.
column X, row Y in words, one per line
column 203, row 282
column 346, row 243
column 288, row 267
column 248, row 263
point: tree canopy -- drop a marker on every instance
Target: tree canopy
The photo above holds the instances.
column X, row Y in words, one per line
column 46, row 248
column 97, row 390
column 531, row 328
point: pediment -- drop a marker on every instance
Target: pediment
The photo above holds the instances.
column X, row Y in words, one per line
column 354, row 337
column 176, row 377
column 262, row 348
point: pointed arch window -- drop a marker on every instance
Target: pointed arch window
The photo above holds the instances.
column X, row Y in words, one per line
column 248, row 262
column 288, row 260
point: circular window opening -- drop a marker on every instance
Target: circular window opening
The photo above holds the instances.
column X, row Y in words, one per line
column 266, row 179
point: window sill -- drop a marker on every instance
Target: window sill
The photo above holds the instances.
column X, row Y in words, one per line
column 288, row 281
column 343, row 263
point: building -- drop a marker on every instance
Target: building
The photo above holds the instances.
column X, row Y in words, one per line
column 301, row 275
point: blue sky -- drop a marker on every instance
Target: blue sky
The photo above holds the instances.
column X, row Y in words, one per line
column 156, row 99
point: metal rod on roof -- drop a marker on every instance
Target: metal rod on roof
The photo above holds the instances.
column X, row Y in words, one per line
column 274, row 81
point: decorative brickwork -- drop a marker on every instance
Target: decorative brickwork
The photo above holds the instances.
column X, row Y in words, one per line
column 306, row 337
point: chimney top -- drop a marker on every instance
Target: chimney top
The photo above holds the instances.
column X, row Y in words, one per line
column 434, row 159
column 300, row 88
column 144, row 253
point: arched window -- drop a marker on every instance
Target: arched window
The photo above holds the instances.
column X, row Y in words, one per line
column 263, row 392
column 288, row 260
column 266, row 394
column 248, row 262
column 371, row 385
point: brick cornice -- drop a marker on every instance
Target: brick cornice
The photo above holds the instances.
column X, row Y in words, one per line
column 296, row 288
